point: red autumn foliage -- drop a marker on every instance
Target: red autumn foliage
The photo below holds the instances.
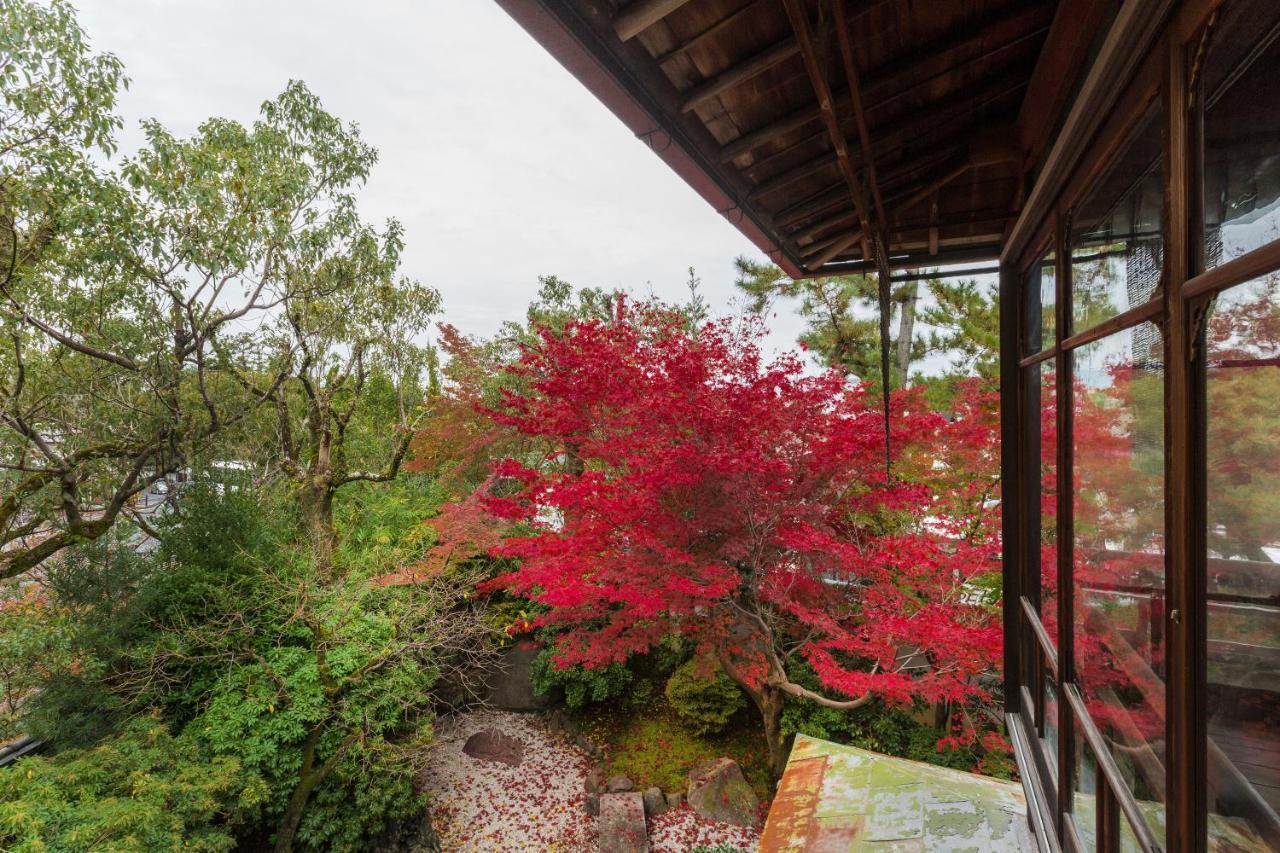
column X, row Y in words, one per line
column 744, row 505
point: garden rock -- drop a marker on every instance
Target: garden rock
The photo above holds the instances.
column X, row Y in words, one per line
column 622, row 827
column 620, row 784
column 655, row 802
column 592, row 805
column 594, row 783
column 493, row 745
column 587, row 746
column 674, row 799
column 718, row 791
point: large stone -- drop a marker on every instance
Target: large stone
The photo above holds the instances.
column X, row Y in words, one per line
column 594, row 783
column 674, row 799
column 718, row 791
column 655, row 802
column 622, row 828
column 510, row 684
column 620, row 784
column 592, row 804
column 493, row 745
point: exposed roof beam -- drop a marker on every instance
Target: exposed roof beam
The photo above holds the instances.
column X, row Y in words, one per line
column 901, row 77
column 985, row 150
column 1073, row 29
column 740, row 73
column 859, row 114
column 819, row 202
column 757, row 64
column 908, row 129
column 906, row 202
column 842, row 241
column 799, row 17
column 694, row 41
column 639, row 15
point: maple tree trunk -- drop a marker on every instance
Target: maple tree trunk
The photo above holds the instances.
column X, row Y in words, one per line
column 768, row 700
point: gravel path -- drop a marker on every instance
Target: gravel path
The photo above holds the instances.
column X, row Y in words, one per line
column 491, row 807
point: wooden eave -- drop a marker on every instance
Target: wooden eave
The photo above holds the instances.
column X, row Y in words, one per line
column 953, row 107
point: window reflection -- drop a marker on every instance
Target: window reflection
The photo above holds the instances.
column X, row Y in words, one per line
column 1042, row 297
column 1242, row 387
column 1049, row 499
column 1050, row 728
column 1117, row 248
column 1118, row 570
column 1242, row 131
column 1084, row 799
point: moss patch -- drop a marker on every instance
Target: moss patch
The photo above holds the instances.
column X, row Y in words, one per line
column 652, row 746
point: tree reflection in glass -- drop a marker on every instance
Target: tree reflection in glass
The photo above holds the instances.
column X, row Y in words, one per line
column 1118, row 568
column 1242, row 396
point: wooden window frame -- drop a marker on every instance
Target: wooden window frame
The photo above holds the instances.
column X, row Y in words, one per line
column 1178, row 307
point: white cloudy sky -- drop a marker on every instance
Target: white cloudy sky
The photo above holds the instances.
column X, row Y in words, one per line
column 501, row 166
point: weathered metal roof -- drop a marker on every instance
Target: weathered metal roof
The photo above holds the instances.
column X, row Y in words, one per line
column 835, row 797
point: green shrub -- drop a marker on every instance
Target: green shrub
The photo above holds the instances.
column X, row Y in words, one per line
column 703, row 696
column 142, row 790
column 581, row 686
column 261, row 662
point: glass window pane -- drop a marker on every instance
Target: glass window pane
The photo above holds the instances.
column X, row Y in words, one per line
column 1041, row 300
column 1242, row 387
column 1117, row 248
column 1084, row 795
column 1050, row 729
column 1242, row 131
column 1118, row 570
column 1049, row 498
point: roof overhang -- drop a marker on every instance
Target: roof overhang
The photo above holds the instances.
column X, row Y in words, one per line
column 937, row 113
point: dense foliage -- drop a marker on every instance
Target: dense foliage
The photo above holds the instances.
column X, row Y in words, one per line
column 138, row 791
column 743, row 505
column 704, row 697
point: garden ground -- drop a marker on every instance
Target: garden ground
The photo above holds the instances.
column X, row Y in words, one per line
column 539, row 805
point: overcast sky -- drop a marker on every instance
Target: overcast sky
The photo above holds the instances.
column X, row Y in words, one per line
column 500, row 165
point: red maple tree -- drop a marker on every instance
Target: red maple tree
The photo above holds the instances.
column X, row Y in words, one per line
column 690, row 487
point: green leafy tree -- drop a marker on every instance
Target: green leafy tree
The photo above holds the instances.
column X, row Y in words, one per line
column 961, row 321
column 148, row 311
column 354, row 371
column 139, row 791
column 840, row 313
column 320, row 686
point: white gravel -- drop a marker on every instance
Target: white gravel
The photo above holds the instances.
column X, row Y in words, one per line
column 489, row 806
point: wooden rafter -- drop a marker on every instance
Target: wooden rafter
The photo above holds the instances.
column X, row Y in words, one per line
column 709, row 33
column 903, row 77
column 740, row 73
column 639, row 15
column 957, row 120
column 872, row 224
column 799, row 18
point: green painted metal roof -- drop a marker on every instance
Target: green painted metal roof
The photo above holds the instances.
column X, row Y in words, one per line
column 840, row 798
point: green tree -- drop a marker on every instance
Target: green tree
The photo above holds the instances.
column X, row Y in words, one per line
column 139, row 791
column 961, row 320
column 319, row 686
column 354, row 374
column 840, row 313
column 147, row 311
